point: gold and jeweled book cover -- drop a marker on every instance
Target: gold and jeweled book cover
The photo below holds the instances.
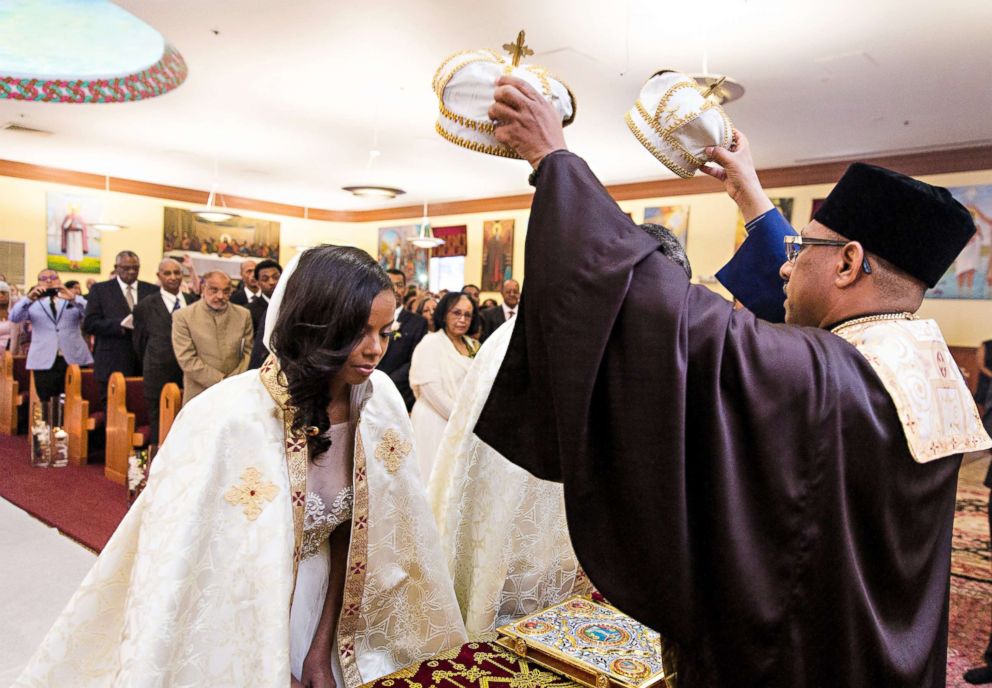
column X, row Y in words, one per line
column 591, row 643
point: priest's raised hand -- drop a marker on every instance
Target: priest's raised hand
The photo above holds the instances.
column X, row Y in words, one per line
column 525, row 121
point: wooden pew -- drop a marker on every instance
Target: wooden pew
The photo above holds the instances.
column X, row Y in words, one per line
column 169, row 405
column 967, row 359
column 81, row 395
column 127, row 424
column 14, row 383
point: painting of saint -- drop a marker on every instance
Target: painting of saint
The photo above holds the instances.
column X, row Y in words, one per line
column 73, row 245
column 497, row 253
column 971, row 275
column 397, row 253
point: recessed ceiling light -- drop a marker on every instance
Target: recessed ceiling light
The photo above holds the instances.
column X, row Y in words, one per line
column 373, row 191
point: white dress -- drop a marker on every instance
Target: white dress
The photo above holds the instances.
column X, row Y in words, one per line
column 329, row 503
column 437, row 371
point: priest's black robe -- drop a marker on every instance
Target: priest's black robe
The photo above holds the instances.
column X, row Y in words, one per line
column 744, row 488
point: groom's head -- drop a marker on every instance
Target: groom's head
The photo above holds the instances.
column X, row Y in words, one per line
column 670, row 246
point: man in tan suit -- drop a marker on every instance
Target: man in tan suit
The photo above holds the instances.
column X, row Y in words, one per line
column 212, row 338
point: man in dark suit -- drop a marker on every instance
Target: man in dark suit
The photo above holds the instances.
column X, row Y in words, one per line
column 267, row 274
column 494, row 317
column 248, row 291
column 412, row 328
column 153, row 336
column 110, row 320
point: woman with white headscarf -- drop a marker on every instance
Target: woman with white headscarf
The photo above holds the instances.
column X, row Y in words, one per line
column 284, row 538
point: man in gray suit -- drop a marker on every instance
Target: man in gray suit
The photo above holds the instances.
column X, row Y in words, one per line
column 56, row 315
column 212, row 338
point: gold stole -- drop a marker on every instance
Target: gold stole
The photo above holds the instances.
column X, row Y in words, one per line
column 297, row 458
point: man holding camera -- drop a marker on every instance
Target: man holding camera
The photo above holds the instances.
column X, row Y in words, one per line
column 55, row 314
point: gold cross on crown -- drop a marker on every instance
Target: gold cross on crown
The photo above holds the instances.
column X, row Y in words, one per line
column 518, row 49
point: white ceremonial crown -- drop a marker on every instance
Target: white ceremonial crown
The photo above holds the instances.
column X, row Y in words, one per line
column 675, row 120
column 465, row 82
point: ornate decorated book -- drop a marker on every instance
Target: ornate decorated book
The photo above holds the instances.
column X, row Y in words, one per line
column 593, row 644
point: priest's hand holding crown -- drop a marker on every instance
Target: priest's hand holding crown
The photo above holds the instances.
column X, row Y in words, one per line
column 525, row 121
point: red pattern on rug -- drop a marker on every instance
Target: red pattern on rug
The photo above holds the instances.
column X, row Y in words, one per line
column 971, row 575
column 77, row 500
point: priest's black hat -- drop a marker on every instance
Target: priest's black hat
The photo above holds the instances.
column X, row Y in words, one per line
column 917, row 227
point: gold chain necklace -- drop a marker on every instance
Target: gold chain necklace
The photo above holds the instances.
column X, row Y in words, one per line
column 905, row 315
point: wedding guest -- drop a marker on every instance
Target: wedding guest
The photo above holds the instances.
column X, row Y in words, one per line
column 408, row 332
column 425, row 307
column 487, row 304
column 109, row 320
column 267, row 274
column 212, row 338
column 494, row 317
column 248, row 290
column 55, row 314
column 473, row 291
column 153, row 337
column 438, row 368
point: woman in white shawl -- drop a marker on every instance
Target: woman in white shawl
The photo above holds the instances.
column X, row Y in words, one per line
column 438, row 367
column 283, row 536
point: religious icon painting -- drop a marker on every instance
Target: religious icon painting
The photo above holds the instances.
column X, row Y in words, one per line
column 497, row 253
column 397, row 253
column 184, row 234
column 970, row 277
column 73, row 244
column 783, row 205
column 673, row 217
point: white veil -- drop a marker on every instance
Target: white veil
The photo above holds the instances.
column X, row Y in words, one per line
column 275, row 301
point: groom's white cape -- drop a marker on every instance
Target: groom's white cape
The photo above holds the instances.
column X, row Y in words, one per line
column 502, row 530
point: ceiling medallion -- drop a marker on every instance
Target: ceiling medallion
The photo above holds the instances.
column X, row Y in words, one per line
column 83, row 51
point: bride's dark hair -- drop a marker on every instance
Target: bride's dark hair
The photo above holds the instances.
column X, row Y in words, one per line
column 323, row 315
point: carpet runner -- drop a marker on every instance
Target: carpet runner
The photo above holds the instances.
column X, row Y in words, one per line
column 77, row 500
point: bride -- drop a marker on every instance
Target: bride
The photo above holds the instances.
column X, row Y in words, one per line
column 284, row 536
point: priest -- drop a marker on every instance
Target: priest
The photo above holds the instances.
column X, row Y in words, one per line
column 776, row 498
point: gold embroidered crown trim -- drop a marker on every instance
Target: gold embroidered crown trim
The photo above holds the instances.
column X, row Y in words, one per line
column 656, row 152
column 476, row 146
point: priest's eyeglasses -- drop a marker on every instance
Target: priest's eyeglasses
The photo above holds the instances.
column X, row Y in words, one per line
column 795, row 243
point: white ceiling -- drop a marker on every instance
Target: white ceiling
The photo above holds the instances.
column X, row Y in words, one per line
column 290, row 97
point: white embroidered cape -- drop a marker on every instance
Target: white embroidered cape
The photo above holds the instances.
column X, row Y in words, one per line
column 935, row 407
column 503, row 531
column 194, row 588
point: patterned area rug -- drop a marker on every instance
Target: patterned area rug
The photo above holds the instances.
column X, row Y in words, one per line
column 971, row 575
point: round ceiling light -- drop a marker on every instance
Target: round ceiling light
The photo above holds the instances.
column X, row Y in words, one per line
column 373, row 191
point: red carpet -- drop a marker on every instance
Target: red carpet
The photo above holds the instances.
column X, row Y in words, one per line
column 77, row 500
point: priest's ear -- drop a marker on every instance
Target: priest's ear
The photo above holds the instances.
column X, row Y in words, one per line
column 852, row 265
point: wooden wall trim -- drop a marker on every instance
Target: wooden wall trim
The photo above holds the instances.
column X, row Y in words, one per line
column 916, row 164
column 23, row 170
